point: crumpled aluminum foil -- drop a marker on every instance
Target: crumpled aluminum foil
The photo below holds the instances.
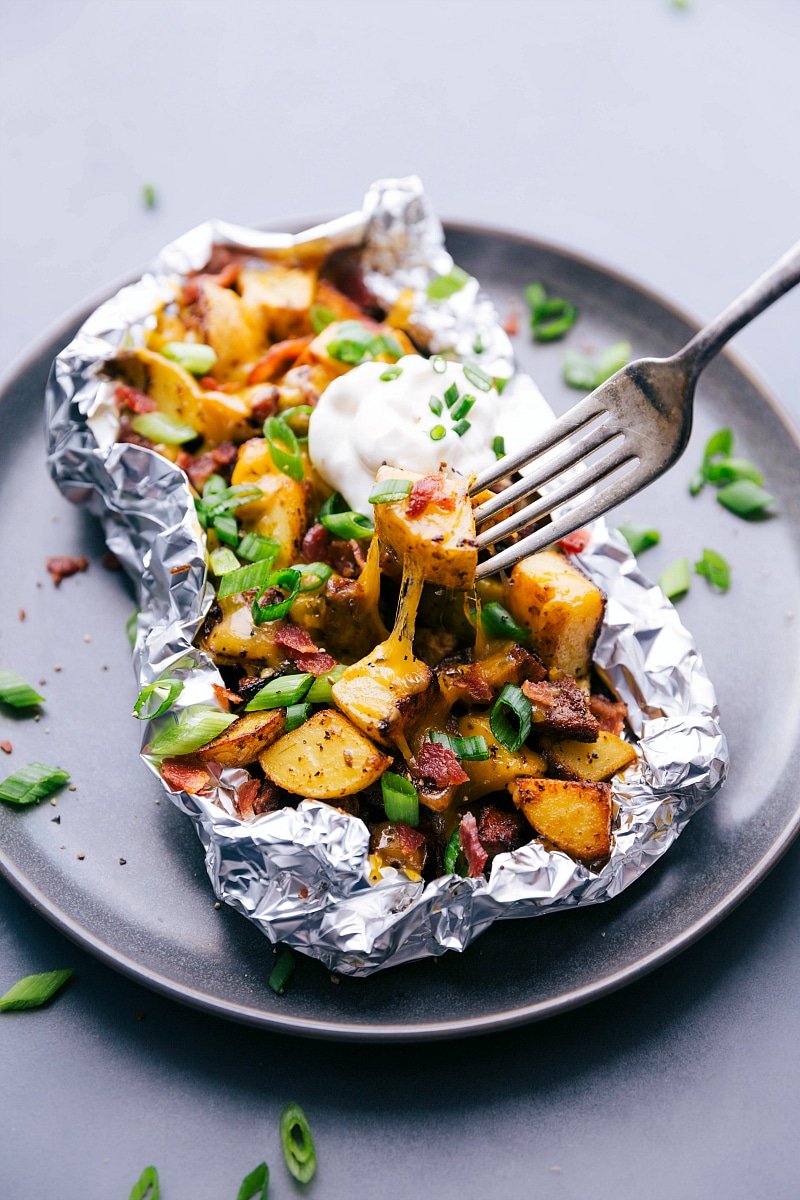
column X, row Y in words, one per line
column 303, row 875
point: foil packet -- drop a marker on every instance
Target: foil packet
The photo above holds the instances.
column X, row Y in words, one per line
column 303, row 875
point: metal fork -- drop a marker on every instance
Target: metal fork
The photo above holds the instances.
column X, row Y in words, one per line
column 637, row 422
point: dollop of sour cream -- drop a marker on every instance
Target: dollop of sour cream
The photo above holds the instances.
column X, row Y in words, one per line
column 363, row 422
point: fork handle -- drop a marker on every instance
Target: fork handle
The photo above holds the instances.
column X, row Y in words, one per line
column 769, row 287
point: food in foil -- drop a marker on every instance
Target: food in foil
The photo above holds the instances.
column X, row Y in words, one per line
column 381, row 754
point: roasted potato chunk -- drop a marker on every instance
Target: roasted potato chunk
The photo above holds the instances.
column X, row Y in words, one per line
column 236, row 639
column 324, row 759
column 277, row 299
column 281, row 513
column 561, row 607
column 384, row 693
column 438, row 534
column 502, row 767
column 575, row 817
column 243, row 741
column 595, row 762
column 480, row 682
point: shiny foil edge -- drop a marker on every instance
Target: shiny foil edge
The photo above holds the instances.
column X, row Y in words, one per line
column 303, row 875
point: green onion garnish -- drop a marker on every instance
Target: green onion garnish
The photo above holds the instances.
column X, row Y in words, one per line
column 281, row 972
column 356, row 343
column 188, row 731
column 281, row 692
column 284, row 448
column 675, row 580
column 255, row 1186
column 215, row 485
column 452, row 851
column 451, row 395
column 437, row 433
column 157, row 698
column 441, row 287
column 586, row 374
column 16, row 692
column 500, row 384
column 254, row 575
column 639, row 537
column 335, row 503
column 435, row 405
column 439, row 364
column 132, row 627
column 463, row 407
column 716, row 570
column 551, row 317
column 32, row 782
column 297, row 420
column 223, row 561
column 149, row 196
column 510, row 717
column 535, row 296
column 225, row 502
column 390, row 373
column 226, row 528
column 296, row 715
column 166, row 431
column 146, row 1186
column 286, row 580
column 498, row 623
column 461, row 427
column 728, row 470
column 477, row 345
column 348, row 524
column 297, row 1143
column 400, row 799
column 321, row 690
column 32, row 991
column 477, row 377
column 499, row 446
column 194, row 357
column 746, row 499
column 390, row 490
column 313, row 576
column 320, row 317
column 253, row 547
column 467, row 749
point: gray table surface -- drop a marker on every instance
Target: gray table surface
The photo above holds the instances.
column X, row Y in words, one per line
column 661, row 140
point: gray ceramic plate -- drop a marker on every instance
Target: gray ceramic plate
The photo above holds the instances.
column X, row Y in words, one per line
column 153, row 916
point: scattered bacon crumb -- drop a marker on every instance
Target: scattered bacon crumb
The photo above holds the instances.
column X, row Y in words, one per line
column 410, row 839
column 199, row 467
column 6, row 746
column 302, row 650
column 439, row 764
column 429, row 490
column 22, row 614
column 610, row 714
column 110, row 561
column 208, row 383
column 278, row 359
column 575, row 543
column 256, row 797
column 225, row 696
column 511, row 322
column 61, row 566
column 474, row 852
column 134, row 399
column 224, row 454
column 180, row 570
column 185, row 775
column 221, row 269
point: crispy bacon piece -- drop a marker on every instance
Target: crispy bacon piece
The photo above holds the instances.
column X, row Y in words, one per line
column 225, row 696
column 185, row 775
column 221, row 270
column 199, row 467
column 511, row 322
column 224, row 454
column 278, row 359
column 346, row 557
column 439, row 764
column 561, row 708
column 110, row 561
column 479, row 682
column 256, row 797
column 302, row 650
column 399, row 845
column 132, row 398
column 474, row 852
column 500, row 831
column 429, row 490
column 610, row 714
column 6, row 746
column 63, row 565
column 575, row 543
column 264, row 404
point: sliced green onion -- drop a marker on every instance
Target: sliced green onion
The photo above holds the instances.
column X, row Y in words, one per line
column 254, row 548
column 284, row 448
column 499, row 446
column 715, row 568
column 281, row 692
column 348, row 524
column 555, row 318
column 510, row 717
column 639, row 537
column 296, row 715
column 452, row 851
column 194, row 357
column 149, row 196
column 356, row 343
column 254, row 575
column 229, row 500
column 335, row 503
column 226, row 528
column 287, row 580
column 16, row 692
column 746, row 499
column 31, row 783
column 461, row 427
column 463, row 407
column 255, row 1186
column 535, row 296
column 400, row 799
column 166, row 431
column 697, row 482
column 675, row 580
column 435, row 405
column 720, row 444
column 297, row 1143
column 32, row 991
column 156, row 698
column 467, row 749
column 313, row 576
column 321, row 690
column 390, row 373
column 191, row 729
column 477, row 377
column 477, row 345
column 500, row 384
column 297, row 420
column 147, row 1186
column 390, row 490
column 451, row 395
column 132, row 627
column 223, row 561
column 437, row 433
column 215, row 485
column 439, row 364
column 498, row 623
column 441, row 287
column 728, row 470
column 586, row 374
column 321, row 317
column 384, row 343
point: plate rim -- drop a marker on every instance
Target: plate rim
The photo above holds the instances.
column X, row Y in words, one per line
column 420, row 1031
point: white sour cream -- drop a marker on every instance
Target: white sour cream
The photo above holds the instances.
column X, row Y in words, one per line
column 362, row 422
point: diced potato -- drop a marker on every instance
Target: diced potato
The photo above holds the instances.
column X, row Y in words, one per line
column 481, row 681
column 561, row 607
column 281, row 513
column 575, row 817
column 223, row 418
column 278, row 299
column 440, row 541
column 385, row 692
column 595, row 761
column 326, row 758
column 243, row 741
column 502, row 768
column 227, row 326
column 342, row 307
column 237, row 639
column 317, row 351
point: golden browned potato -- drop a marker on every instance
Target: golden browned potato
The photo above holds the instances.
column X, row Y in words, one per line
column 385, row 692
column 593, row 761
column 277, row 299
column 575, row 817
column 479, row 682
column 243, row 741
column 236, row 639
column 497, row 772
column 227, row 326
column 281, row 513
column 324, row 759
column 440, row 537
column 561, row 607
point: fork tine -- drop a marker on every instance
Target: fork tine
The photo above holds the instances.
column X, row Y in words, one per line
column 548, row 471
column 579, row 415
column 561, row 495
